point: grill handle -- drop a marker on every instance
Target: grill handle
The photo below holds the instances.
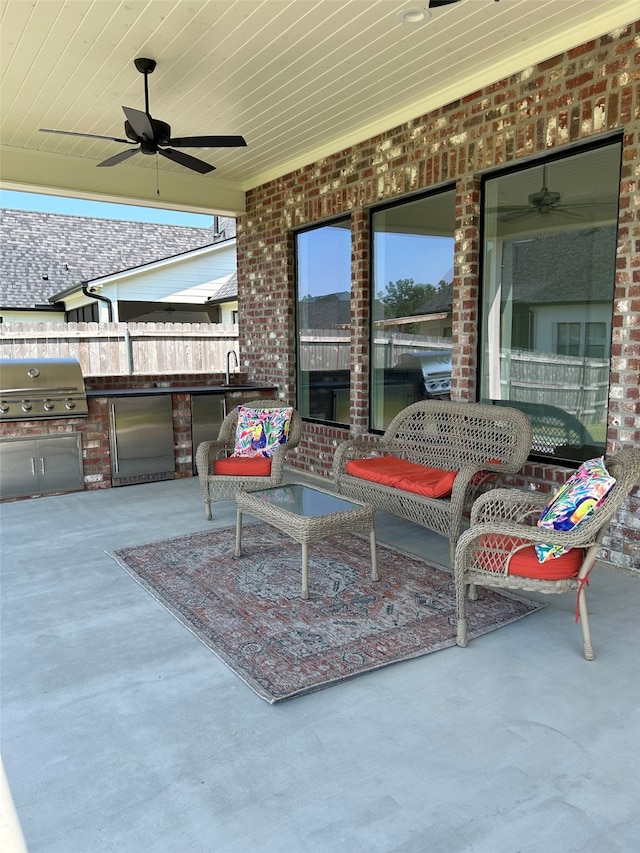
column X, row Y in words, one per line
column 44, row 389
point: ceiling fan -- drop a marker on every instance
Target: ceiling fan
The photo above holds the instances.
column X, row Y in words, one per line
column 544, row 202
column 154, row 136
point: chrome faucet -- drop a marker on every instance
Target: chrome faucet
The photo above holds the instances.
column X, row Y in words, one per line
column 233, row 353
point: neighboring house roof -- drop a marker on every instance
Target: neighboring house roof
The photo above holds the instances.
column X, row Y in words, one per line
column 71, row 249
column 327, row 312
column 226, row 292
column 441, row 301
column 551, row 269
column 168, row 281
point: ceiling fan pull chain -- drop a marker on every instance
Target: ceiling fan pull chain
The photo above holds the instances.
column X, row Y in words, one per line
column 157, row 177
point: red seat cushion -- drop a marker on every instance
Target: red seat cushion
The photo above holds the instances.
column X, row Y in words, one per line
column 409, row 476
column 243, row 466
column 431, row 482
column 524, row 563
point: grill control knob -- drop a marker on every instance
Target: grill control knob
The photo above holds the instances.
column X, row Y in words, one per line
column 27, row 405
column 70, row 404
column 48, row 405
column 4, row 407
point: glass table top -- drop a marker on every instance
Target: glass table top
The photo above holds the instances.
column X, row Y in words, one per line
column 305, row 500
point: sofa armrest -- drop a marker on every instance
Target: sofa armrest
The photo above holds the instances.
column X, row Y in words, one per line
column 508, row 505
column 354, row 448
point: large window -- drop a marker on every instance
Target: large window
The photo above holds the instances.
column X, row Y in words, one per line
column 413, row 248
column 323, row 300
column 548, row 283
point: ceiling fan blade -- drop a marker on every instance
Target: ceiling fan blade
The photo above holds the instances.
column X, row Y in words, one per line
column 433, row 4
column 563, row 211
column 85, row 135
column 208, row 142
column 140, row 122
column 120, row 158
column 517, row 214
column 186, row 160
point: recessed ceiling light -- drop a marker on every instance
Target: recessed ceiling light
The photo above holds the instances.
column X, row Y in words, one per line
column 414, row 16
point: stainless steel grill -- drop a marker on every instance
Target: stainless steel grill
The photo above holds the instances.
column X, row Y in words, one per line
column 39, row 388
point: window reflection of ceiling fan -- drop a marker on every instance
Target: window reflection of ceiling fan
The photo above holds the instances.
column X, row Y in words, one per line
column 544, row 202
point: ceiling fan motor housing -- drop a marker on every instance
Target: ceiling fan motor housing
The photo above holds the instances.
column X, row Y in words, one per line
column 161, row 133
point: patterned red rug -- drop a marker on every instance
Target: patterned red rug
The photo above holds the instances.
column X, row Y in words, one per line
column 248, row 610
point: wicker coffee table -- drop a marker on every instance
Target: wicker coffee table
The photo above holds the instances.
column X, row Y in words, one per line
column 307, row 515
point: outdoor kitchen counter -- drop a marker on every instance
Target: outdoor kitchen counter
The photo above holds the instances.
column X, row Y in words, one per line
column 177, row 389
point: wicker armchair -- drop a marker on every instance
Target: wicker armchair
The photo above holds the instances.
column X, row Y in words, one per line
column 503, row 523
column 220, row 487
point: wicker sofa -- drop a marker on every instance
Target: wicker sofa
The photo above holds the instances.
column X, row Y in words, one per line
column 478, row 441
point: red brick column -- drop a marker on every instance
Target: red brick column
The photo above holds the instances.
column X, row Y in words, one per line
column 466, row 288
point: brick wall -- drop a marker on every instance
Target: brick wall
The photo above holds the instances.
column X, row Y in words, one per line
column 585, row 93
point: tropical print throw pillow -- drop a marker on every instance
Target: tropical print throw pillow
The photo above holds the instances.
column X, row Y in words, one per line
column 261, row 431
column 573, row 502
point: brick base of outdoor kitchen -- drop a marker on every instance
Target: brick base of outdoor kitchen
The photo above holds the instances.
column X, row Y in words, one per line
column 94, row 428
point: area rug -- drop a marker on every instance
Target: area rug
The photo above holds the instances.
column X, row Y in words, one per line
column 248, row 610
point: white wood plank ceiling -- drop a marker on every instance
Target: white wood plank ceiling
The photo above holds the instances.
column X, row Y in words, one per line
column 299, row 79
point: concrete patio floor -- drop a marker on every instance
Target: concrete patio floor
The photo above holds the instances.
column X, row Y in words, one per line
column 121, row 733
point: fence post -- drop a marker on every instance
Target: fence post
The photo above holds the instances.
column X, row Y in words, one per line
column 128, row 349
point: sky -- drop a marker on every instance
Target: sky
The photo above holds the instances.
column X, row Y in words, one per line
column 100, row 209
column 326, row 263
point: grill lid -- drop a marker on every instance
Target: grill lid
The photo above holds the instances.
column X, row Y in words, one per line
column 36, row 388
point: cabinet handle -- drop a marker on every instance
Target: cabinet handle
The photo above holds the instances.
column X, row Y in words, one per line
column 114, row 440
column 33, row 466
column 42, row 464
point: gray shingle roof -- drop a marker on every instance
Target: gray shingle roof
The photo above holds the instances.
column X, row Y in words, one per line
column 227, row 292
column 72, row 249
column 555, row 268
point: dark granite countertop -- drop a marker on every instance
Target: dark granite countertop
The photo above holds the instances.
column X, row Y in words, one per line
column 181, row 389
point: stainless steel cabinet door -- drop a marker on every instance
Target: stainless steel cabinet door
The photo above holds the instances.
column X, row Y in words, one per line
column 40, row 465
column 207, row 413
column 141, row 439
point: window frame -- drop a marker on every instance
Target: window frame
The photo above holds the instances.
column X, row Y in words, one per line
column 317, row 226
column 610, row 140
column 411, row 198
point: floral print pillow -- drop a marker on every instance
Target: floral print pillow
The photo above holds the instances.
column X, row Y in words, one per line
column 261, row 431
column 573, row 502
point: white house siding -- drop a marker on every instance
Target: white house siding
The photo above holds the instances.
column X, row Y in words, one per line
column 190, row 280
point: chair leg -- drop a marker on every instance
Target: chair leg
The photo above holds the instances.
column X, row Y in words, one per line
column 207, row 510
column 461, row 638
column 461, row 611
column 584, row 621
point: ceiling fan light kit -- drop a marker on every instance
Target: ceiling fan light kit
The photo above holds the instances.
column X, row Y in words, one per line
column 154, row 136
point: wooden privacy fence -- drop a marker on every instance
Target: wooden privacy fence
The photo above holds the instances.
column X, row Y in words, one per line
column 112, row 349
column 579, row 386
column 576, row 385
column 329, row 349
